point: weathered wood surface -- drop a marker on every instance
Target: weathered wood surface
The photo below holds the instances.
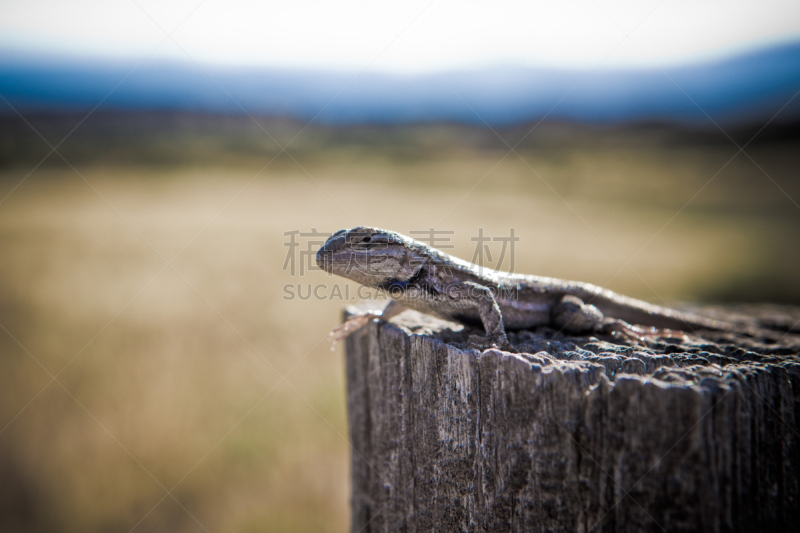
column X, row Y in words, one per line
column 577, row 434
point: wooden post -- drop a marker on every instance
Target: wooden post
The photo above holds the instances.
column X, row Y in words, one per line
column 577, row 435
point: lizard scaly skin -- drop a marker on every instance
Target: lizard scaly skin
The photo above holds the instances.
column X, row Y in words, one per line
column 428, row 280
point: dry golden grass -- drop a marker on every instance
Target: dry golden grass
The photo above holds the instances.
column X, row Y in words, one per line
column 170, row 377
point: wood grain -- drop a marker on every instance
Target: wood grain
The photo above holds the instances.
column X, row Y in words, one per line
column 579, row 434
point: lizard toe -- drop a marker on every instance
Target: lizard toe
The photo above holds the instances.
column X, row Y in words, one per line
column 620, row 328
column 498, row 342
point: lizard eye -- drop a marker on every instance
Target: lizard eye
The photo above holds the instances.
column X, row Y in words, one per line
column 366, row 239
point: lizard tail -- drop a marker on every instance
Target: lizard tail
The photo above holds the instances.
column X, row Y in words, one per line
column 642, row 313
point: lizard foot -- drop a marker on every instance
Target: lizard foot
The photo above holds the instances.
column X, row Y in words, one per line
column 350, row 325
column 499, row 342
column 636, row 333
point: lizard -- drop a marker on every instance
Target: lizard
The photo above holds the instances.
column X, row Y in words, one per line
column 423, row 278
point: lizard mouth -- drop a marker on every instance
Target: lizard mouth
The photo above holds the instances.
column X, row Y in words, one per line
column 324, row 258
column 325, row 254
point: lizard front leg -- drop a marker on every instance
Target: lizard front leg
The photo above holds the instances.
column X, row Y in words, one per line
column 483, row 300
column 392, row 309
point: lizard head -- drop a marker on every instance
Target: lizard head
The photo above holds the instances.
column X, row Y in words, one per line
column 370, row 256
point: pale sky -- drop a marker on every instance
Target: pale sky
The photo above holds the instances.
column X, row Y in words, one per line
column 434, row 35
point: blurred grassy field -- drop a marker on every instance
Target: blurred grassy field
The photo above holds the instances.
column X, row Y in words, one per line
column 146, row 345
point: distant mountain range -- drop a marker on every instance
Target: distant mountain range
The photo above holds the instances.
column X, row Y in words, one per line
column 747, row 89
